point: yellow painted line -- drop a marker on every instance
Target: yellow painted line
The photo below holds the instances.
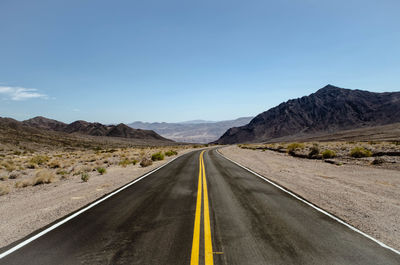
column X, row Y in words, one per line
column 196, row 233
column 208, row 253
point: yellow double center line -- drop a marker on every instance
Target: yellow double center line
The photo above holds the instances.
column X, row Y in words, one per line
column 208, row 253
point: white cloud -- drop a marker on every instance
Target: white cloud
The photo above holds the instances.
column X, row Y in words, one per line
column 21, row 93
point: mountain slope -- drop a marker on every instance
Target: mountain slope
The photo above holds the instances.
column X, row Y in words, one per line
column 17, row 135
column 41, row 124
column 329, row 110
column 45, row 124
column 122, row 130
column 193, row 131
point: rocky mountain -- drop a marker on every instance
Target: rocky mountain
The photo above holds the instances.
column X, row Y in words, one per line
column 122, row 130
column 91, row 128
column 196, row 131
column 17, row 135
column 329, row 110
column 45, row 123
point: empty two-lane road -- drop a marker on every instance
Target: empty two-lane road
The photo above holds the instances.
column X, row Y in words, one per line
column 201, row 209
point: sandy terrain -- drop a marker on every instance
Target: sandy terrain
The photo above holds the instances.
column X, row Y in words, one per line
column 366, row 197
column 373, row 154
column 27, row 209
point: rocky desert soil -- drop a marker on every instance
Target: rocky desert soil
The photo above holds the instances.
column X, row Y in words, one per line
column 365, row 196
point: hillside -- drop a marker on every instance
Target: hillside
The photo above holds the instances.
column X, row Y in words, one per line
column 92, row 128
column 330, row 110
column 33, row 135
column 196, row 131
column 45, row 124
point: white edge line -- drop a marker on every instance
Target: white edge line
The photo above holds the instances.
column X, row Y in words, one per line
column 27, row 241
column 313, row 206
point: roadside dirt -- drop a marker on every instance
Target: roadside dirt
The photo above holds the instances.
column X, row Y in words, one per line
column 27, row 209
column 365, row 197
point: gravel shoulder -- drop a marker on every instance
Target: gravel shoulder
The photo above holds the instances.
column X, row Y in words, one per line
column 365, row 197
column 28, row 209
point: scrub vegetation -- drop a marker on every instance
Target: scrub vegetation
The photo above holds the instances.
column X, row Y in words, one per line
column 20, row 168
column 375, row 153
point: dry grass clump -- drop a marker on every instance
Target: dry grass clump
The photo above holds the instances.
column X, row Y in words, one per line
column 124, row 162
column 14, row 175
column 23, row 183
column 328, row 154
column 101, row 170
column 9, row 166
column 4, row 189
column 359, row 152
column 314, row 151
column 171, row 153
column 39, row 159
column 81, row 169
column 157, row 156
column 3, row 178
column 30, row 165
column 146, row 162
column 43, row 177
column 62, row 173
column 291, row 148
column 55, row 164
column 85, row 177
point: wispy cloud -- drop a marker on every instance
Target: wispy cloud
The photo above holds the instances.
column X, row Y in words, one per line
column 21, row 93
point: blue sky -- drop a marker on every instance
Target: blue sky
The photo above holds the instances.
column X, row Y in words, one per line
column 175, row 60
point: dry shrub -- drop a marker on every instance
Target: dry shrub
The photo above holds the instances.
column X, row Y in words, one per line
column 291, row 148
column 61, row 172
column 171, row 153
column 3, row 178
column 146, row 162
column 14, row 175
column 359, row 152
column 54, row 164
column 4, row 189
column 82, row 169
column 9, row 166
column 314, row 151
column 43, row 177
column 23, row 183
column 157, row 156
column 328, row 154
column 30, row 165
column 39, row 159
column 124, row 162
column 101, row 170
column 85, row 177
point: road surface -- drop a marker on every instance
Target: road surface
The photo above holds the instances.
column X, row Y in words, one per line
column 201, row 209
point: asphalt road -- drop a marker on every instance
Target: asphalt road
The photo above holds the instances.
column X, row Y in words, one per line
column 182, row 214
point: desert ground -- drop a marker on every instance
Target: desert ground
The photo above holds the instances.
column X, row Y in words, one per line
column 360, row 191
column 37, row 188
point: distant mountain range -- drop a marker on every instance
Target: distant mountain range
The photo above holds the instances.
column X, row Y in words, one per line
column 92, row 128
column 329, row 110
column 196, row 131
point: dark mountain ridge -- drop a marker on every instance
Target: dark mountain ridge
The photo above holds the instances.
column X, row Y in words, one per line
column 45, row 123
column 328, row 110
column 88, row 128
